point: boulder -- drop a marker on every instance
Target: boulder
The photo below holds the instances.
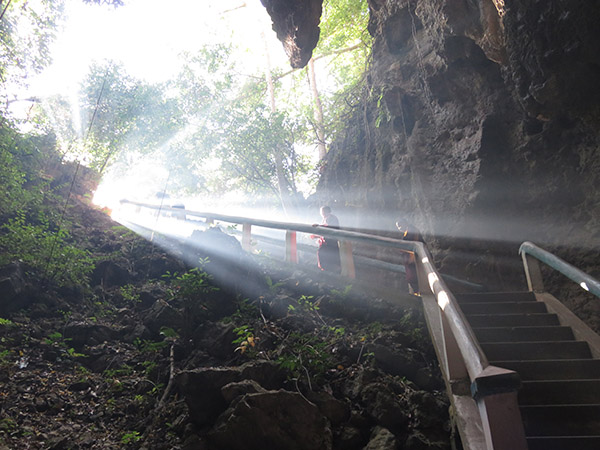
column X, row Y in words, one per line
column 84, row 333
column 382, row 439
column 12, row 285
column 275, row 419
column 395, row 361
column 335, row 410
column 201, row 389
column 232, row 268
column 234, row 390
column 348, row 438
column 110, row 273
column 161, row 314
column 384, row 406
column 204, row 393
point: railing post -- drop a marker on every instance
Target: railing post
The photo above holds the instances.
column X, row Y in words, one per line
column 499, row 414
column 246, row 237
column 533, row 273
column 495, row 391
column 291, row 248
column 347, row 259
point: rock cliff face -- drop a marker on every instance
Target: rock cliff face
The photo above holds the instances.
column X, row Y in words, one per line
column 479, row 122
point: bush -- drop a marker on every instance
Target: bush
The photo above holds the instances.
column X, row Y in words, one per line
column 45, row 251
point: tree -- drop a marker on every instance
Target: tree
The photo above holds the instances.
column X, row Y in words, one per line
column 336, row 67
column 24, row 53
column 123, row 114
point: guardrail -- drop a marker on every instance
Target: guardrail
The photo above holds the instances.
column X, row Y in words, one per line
column 492, row 402
column 531, row 254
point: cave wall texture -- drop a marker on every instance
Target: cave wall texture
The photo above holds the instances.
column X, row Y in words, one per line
column 479, row 124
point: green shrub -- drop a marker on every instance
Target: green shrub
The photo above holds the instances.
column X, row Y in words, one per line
column 45, row 251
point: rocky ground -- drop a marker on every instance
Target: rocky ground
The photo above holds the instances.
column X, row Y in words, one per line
column 158, row 354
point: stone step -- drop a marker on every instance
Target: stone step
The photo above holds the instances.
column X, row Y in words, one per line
column 523, row 334
column 561, row 420
column 564, row 443
column 563, row 369
column 481, row 297
column 511, row 320
column 559, row 392
column 504, row 308
column 528, row 351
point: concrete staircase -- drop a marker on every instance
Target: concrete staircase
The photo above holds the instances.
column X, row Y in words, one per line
column 560, row 395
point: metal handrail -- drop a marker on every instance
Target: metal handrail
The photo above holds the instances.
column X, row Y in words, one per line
column 584, row 280
column 493, row 388
column 474, row 356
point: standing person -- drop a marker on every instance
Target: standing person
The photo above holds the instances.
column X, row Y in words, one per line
column 328, row 255
column 409, row 233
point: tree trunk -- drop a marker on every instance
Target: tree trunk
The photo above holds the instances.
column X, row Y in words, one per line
column 282, row 181
column 312, row 80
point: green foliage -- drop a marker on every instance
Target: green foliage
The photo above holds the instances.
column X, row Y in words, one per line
column 21, row 158
column 305, row 303
column 73, row 354
column 45, row 250
column 149, row 367
column 7, row 322
column 191, row 285
column 125, row 111
column 147, row 346
column 343, row 23
column 4, row 354
column 131, row 437
column 56, row 338
column 124, row 370
column 168, row 332
column 306, row 354
column 30, row 232
column 8, row 425
column 128, row 292
column 246, row 312
column 273, row 286
column 341, row 294
column 23, row 54
column 337, row 331
column 246, row 340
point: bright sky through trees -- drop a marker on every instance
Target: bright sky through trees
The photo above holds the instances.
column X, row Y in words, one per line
column 148, row 37
column 181, row 86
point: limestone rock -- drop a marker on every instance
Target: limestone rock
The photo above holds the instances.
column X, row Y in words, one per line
column 382, row 439
column 83, row 333
column 204, row 389
column 275, row 419
column 296, row 23
column 11, row 286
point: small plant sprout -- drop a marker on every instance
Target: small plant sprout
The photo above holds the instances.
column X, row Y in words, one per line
column 341, row 294
column 131, row 437
column 6, row 323
column 246, row 339
column 272, row 286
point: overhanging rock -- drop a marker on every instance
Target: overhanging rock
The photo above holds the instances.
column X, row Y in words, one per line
column 296, row 23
